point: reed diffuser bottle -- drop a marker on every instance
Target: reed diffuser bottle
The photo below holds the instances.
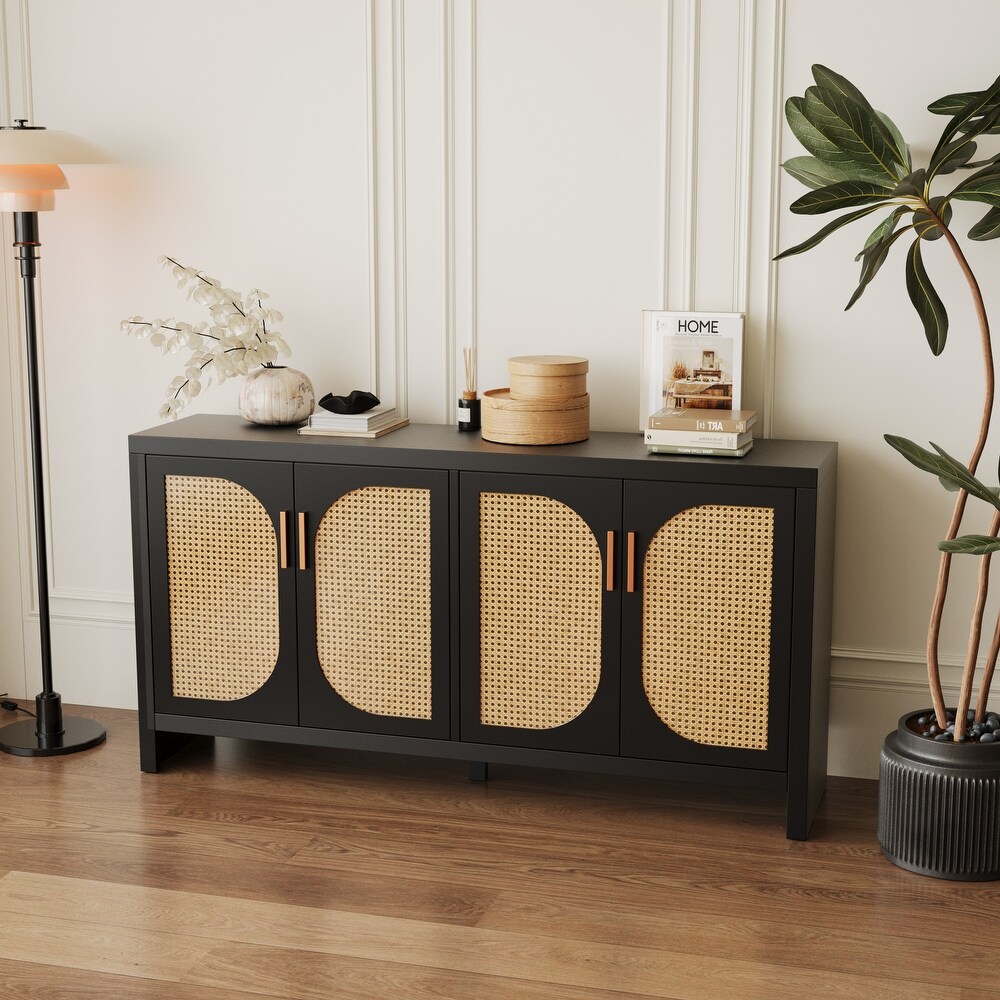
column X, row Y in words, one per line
column 468, row 405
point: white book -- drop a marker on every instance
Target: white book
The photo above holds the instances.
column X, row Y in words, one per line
column 370, row 420
column 684, row 449
column 702, row 439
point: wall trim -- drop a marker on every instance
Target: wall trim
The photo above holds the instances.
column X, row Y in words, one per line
column 766, row 102
column 384, row 92
column 744, row 153
column 450, row 347
column 883, row 674
column 462, row 230
column 373, row 267
column 400, row 328
column 16, row 77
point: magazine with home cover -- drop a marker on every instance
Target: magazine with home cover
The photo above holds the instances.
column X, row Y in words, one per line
column 691, row 361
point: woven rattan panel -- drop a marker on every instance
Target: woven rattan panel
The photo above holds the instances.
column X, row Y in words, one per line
column 373, row 600
column 707, row 624
column 540, row 611
column 223, row 582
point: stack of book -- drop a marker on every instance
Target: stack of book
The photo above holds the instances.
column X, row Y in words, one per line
column 719, row 433
column 370, row 424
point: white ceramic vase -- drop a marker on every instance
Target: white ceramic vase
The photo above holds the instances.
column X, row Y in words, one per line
column 276, row 395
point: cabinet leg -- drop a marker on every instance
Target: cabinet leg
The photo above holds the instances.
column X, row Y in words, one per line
column 478, row 770
column 803, row 801
column 155, row 747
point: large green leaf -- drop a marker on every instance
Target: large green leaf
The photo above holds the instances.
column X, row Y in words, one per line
column 901, row 143
column 955, row 155
column 845, row 194
column 830, row 227
column 926, row 300
column 876, row 250
column 952, row 104
column 982, row 187
column 833, row 82
column 971, row 545
column 912, row 185
column 955, row 104
column 979, row 114
column 944, row 466
column 826, row 77
column 854, row 129
column 812, row 139
column 817, row 173
column 988, row 227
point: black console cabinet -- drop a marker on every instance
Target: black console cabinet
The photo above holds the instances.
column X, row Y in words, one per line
column 585, row 606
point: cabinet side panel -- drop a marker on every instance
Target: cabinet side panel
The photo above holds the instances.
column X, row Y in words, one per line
column 540, row 606
column 373, row 600
column 223, row 586
column 707, row 624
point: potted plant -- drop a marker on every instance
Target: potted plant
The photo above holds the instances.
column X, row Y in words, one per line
column 939, row 788
column 241, row 339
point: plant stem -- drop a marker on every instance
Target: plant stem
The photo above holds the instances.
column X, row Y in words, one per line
column 991, row 663
column 975, row 631
column 204, row 281
column 934, row 629
column 203, row 366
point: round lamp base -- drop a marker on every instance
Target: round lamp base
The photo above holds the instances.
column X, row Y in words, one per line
column 22, row 739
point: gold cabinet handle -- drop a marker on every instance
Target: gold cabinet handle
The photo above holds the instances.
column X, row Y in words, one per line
column 630, row 563
column 302, row 539
column 610, row 578
column 283, row 538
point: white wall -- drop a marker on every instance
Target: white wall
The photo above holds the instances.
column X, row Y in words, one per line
column 409, row 177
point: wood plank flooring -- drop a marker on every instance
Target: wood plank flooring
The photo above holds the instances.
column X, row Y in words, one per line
column 256, row 870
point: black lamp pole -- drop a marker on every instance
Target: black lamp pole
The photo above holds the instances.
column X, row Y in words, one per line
column 49, row 733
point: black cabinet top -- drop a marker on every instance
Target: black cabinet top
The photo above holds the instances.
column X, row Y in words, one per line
column 436, row 446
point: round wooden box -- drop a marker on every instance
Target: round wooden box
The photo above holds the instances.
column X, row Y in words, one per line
column 547, row 376
column 534, row 421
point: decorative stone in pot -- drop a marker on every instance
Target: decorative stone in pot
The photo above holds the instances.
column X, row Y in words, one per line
column 274, row 394
column 939, row 804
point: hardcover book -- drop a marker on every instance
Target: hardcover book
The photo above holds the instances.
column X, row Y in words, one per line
column 370, row 420
column 683, row 449
column 728, row 421
column 699, row 439
column 360, row 433
column 691, row 361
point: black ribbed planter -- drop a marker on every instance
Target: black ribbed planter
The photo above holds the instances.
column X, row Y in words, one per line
column 939, row 805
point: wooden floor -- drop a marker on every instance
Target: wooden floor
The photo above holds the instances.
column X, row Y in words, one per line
column 249, row 869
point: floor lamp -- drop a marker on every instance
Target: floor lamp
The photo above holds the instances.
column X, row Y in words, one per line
column 29, row 178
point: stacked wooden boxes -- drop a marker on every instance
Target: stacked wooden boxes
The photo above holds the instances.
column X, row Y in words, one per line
column 547, row 402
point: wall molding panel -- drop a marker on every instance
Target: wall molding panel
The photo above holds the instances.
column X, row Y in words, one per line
column 462, row 223
column 18, row 590
column 763, row 206
column 387, row 201
column 681, row 56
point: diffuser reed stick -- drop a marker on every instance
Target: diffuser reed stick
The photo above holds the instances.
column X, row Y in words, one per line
column 469, row 354
column 468, row 405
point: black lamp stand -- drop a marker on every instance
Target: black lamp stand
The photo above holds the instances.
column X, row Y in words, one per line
column 49, row 733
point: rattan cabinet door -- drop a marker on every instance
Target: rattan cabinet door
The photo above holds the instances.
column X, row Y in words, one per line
column 706, row 628
column 222, row 608
column 540, row 612
column 373, row 599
